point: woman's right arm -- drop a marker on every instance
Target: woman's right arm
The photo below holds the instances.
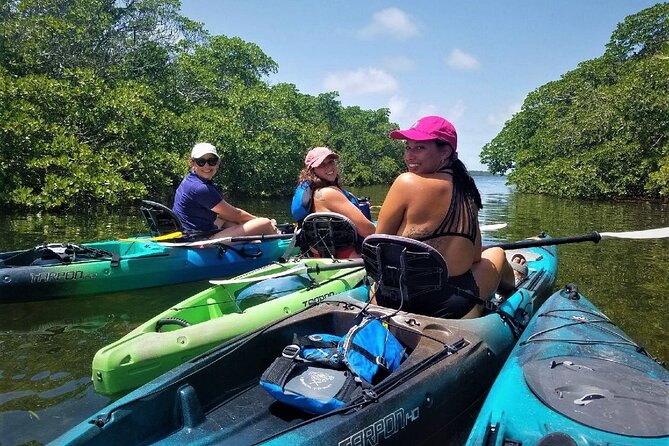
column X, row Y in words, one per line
column 393, row 209
column 332, row 200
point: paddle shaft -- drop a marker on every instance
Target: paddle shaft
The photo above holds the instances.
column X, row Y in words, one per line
column 318, row 268
column 292, row 272
column 251, row 238
column 530, row 243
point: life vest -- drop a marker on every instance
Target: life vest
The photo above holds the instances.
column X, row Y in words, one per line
column 303, row 202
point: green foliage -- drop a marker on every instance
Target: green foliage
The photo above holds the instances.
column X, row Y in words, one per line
column 641, row 34
column 100, row 102
column 602, row 130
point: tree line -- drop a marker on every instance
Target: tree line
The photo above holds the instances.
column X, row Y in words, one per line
column 602, row 130
column 101, row 101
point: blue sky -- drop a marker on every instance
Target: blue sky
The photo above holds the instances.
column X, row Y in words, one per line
column 472, row 62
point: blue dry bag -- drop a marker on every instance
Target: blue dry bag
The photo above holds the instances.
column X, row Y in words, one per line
column 321, row 372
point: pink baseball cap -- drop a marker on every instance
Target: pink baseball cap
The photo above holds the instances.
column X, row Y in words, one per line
column 427, row 128
column 317, row 155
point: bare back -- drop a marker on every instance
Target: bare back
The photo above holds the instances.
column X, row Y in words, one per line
column 416, row 205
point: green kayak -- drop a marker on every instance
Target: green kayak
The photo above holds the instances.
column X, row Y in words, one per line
column 217, row 314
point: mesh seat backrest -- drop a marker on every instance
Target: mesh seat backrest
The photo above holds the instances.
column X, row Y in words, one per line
column 405, row 270
column 159, row 218
column 327, row 233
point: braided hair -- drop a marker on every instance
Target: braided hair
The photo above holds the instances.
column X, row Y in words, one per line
column 461, row 177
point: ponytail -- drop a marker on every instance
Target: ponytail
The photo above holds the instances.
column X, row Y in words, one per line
column 465, row 182
column 461, row 177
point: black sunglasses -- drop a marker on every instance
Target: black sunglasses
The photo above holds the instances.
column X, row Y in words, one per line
column 201, row 161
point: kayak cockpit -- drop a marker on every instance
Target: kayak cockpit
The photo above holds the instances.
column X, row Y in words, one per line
column 219, row 394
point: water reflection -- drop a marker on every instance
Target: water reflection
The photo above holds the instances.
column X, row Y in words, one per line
column 46, row 347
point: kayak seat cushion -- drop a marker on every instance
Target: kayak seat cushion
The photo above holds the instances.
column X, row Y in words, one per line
column 407, row 273
column 270, row 289
column 328, row 235
column 160, row 219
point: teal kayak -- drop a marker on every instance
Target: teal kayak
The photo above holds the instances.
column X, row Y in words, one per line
column 217, row 397
column 218, row 314
column 575, row 379
column 62, row 270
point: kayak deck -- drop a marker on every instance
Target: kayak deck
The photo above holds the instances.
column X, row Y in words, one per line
column 216, row 397
column 576, row 377
column 213, row 316
column 106, row 267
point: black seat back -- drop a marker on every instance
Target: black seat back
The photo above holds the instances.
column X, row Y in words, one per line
column 327, row 233
column 406, row 271
column 159, row 218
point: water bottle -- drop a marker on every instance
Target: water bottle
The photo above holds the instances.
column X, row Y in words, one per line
column 365, row 208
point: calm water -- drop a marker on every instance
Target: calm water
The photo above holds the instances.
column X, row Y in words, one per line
column 46, row 348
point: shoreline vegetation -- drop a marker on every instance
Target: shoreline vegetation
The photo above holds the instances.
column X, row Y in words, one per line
column 100, row 103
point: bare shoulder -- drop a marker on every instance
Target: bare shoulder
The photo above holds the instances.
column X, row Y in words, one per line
column 327, row 193
column 406, row 180
column 409, row 180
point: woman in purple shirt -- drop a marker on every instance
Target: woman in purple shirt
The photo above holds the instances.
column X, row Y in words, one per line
column 201, row 207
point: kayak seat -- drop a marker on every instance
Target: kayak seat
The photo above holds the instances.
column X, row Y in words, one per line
column 328, row 235
column 407, row 273
column 160, row 219
column 270, row 289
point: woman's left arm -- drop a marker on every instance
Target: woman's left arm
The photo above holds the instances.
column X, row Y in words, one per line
column 228, row 212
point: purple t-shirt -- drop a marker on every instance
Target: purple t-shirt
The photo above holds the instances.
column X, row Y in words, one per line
column 193, row 202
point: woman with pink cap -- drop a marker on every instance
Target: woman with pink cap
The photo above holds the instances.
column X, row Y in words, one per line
column 437, row 202
column 319, row 180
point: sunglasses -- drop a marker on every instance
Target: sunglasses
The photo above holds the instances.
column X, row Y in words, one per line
column 201, row 161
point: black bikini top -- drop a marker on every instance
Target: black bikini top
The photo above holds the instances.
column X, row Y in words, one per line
column 460, row 220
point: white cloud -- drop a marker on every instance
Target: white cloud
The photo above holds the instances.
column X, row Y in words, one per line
column 460, row 60
column 406, row 113
column 426, row 110
column 391, row 22
column 398, row 63
column 456, row 111
column 498, row 119
column 361, row 81
column 397, row 106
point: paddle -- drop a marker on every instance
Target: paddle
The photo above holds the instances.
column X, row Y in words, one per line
column 171, row 235
column 592, row 237
column 225, row 240
column 293, row 271
column 286, row 229
column 492, row 227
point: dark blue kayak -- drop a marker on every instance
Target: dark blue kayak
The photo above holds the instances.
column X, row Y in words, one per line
column 217, row 398
column 575, row 379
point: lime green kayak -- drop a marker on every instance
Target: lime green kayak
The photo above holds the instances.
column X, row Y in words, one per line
column 217, row 314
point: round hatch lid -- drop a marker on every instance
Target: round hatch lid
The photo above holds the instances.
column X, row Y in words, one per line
column 603, row 394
